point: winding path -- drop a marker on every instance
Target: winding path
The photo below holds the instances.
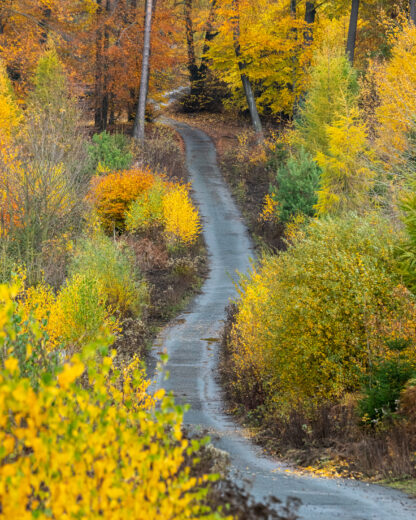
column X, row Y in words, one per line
column 193, row 363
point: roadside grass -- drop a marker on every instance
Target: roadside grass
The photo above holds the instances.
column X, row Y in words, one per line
column 407, row 485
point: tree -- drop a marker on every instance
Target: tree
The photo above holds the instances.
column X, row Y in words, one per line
column 310, row 14
column 352, row 30
column 346, row 178
column 251, row 102
column 333, row 92
column 396, row 91
column 138, row 131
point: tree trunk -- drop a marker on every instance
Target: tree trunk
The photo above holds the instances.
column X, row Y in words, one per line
column 248, row 91
column 413, row 11
column 98, row 88
column 101, row 67
column 310, row 15
column 210, row 34
column 192, row 66
column 138, row 131
column 352, row 31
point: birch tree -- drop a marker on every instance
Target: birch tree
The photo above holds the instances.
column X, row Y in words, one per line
column 138, row 131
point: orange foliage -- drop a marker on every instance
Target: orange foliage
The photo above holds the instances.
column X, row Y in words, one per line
column 113, row 194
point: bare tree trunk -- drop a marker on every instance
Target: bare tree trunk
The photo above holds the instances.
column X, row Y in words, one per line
column 192, row 66
column 248, row 91
column 352, row 30
column 413, row 11
column 209, row 36
column 310, row 15
column 138, row 131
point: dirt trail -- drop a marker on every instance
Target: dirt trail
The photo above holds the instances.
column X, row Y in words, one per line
column 193, row 363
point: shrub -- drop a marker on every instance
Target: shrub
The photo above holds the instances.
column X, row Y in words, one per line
column 80, row 314
column 43, row 177
column 24, row 336
column 111, row 266
column 309, row 319
column 98, row 450
column 167, row 205
column 182, row 220
column 297, row 185
column 332, row 92
column 114, row 193
column 109, row 152
column 146, row 212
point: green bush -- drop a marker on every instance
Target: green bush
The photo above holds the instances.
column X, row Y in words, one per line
column 382, row 389
column 109, row 152
column 297, row 184
column 111, row 265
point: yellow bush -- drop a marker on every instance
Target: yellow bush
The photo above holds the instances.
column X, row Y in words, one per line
column 181, row 218
column 80, row 314
column 396, row 89
column 168, row 205
column 311, row 319
column 67, row 451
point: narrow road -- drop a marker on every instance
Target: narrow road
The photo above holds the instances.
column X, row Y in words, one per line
column 193, row 363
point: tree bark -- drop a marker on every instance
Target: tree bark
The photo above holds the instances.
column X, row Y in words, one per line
column 248, row 91
column 310, row 15
column 192, row 66
column 352, row 30
column 138, row 131
column 102, row 39
column 413, row 11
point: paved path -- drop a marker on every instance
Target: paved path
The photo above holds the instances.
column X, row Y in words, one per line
column 193, row 363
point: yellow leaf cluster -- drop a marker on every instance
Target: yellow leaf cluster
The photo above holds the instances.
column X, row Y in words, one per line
column 396, row 88
column 100, row 451
column 180, row 215
column 166, row 205
column 346, row 177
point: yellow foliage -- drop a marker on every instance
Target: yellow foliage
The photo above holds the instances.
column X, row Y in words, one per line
column 75, row 316
column 10, row 116
column 396, row 87
column 269, row 211
column 332, row 93
column 346, row 178
column 273, row 50
column 80, row 314
column 181, row 217
column 67, row 451
column 113, row 194
column 168, row 205
column 311, row 319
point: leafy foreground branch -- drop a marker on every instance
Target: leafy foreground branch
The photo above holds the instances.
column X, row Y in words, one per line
column 83, row 439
